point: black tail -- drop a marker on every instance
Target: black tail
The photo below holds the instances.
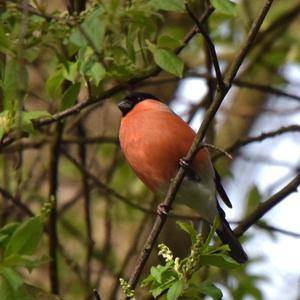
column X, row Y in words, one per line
column 227, row 237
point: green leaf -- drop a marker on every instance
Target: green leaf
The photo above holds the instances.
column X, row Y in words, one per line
column 168, row 5
column 9, row 84
column 159, row 271
column 6, row 123
column 29, row 116
column 219, row 260
column 92, row 30
column 168, row 61
column 26, row 261
column 225, row 7
column 13, row 277
column 7, row 231
column 159, row 289
column 188, row 228
column 5, row 43
column 165, row 41
column 209, row 289
column 97, row 72
column 6, row 290
column 54, row 83
column 211, row 233
column 26, row 238
column 34, row 115
column 175, row 290
column 70, row 95
column 70, row 71
column 253, row 199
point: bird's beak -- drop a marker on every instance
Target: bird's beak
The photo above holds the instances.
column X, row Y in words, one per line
column 125, row 106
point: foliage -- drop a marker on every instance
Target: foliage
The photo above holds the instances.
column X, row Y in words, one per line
column 18, row 246
column 179, row 278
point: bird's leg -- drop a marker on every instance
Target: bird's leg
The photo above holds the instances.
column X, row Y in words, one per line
column 183, row 163
column 189, row 171
column 162, row 209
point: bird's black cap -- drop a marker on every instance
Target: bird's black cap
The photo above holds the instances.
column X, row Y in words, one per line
column 128, row 103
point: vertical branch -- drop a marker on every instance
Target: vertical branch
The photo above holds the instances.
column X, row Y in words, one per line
column 53, row 187
column 108, row 216
column 87, row 205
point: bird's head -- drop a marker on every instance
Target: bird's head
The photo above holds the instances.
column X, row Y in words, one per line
column 128, row 103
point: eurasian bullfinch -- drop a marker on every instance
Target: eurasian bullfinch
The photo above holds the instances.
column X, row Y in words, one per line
column 154, row 140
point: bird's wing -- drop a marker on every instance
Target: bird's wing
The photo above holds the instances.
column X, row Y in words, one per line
column 221, row 190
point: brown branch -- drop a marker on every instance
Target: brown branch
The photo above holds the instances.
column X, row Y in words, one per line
column 37, row 144
column 211, row 47
column 237, row 82
column 250, row 85
column 266, row 206
column 262, row 225
column 108, row 219
column 259, row 138
column 210, row 113
column 17, row 202
column 276, row 229
column 285, row 18
column 233, row 69
column 53, row 187
column 87, row 205
column 265, row 88
column 103, row 186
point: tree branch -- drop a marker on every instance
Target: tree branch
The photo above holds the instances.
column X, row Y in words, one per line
column 53, row 187
column 259, row 138
column 266, row 206
column 211, row 48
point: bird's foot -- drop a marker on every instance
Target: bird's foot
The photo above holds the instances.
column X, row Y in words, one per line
column 162, row 209
column 189, row 170
column 183, row 163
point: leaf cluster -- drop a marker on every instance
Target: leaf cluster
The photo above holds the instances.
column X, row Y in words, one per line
column 179, row 278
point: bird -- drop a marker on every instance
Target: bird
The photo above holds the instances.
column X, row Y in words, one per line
column 154, row 141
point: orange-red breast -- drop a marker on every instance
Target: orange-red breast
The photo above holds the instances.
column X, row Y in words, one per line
column 154, row 140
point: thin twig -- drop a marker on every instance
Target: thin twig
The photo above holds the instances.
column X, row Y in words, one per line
column 266, row 206
column 250, row 85
column 87, row 205
column 211, row 48
column 259, row 138
column 213, row 147
column 272, row 228
column 103, row 186
column 248, row 43
column 16, row 202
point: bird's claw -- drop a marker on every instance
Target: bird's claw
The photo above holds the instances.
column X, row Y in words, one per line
column 183, row 163
column 189, row 170
column 161, row 209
